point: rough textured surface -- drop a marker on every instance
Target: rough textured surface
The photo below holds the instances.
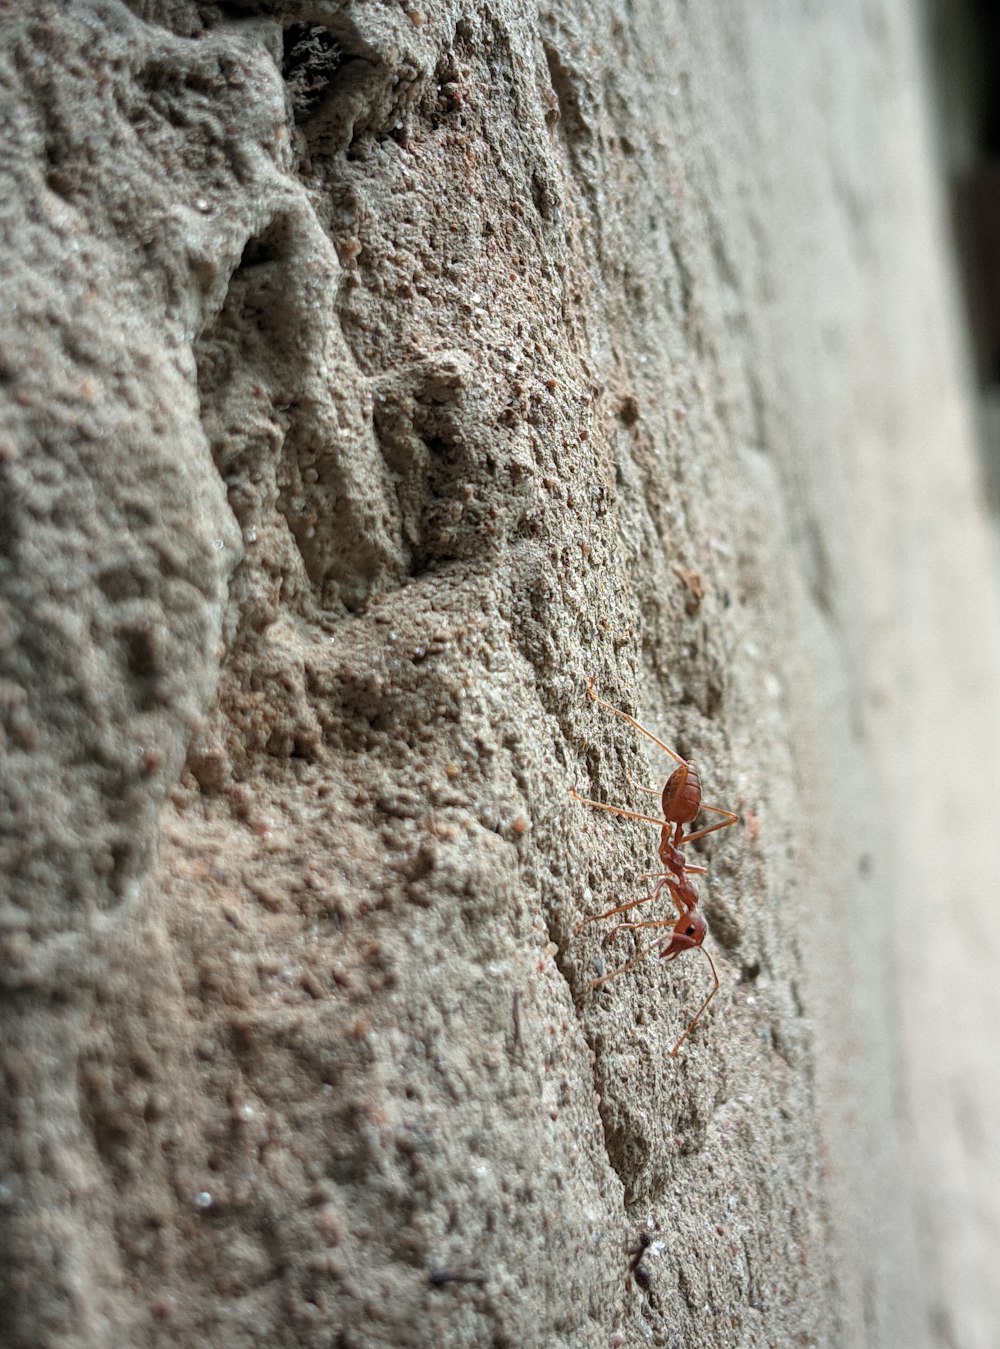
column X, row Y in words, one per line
column 372, row 376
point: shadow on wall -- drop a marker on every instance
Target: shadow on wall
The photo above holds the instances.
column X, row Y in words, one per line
column 964, row 40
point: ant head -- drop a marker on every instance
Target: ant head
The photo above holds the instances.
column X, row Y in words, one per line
column 689, row 931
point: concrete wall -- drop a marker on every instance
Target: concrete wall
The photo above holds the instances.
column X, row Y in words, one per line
column 373, row 376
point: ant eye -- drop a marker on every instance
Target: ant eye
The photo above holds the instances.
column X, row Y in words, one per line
column 691, row 930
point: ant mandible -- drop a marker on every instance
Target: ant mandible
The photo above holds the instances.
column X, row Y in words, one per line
column 681, row 802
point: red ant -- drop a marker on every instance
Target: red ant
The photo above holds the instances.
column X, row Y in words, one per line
column 681, row 801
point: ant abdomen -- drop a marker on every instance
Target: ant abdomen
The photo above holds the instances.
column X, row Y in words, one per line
column 682, row 795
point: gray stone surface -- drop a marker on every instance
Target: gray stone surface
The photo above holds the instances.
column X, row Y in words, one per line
column 365, row 390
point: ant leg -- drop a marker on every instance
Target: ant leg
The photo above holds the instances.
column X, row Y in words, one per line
column 640, row 955
column 617, row 810
column 699, row 871
column 665, row 878
column 640, row 787
column 622, row 908
column 634, row 927
column 731, row 818
column 632, row 722
column 629, row 964
column 697, row 1016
